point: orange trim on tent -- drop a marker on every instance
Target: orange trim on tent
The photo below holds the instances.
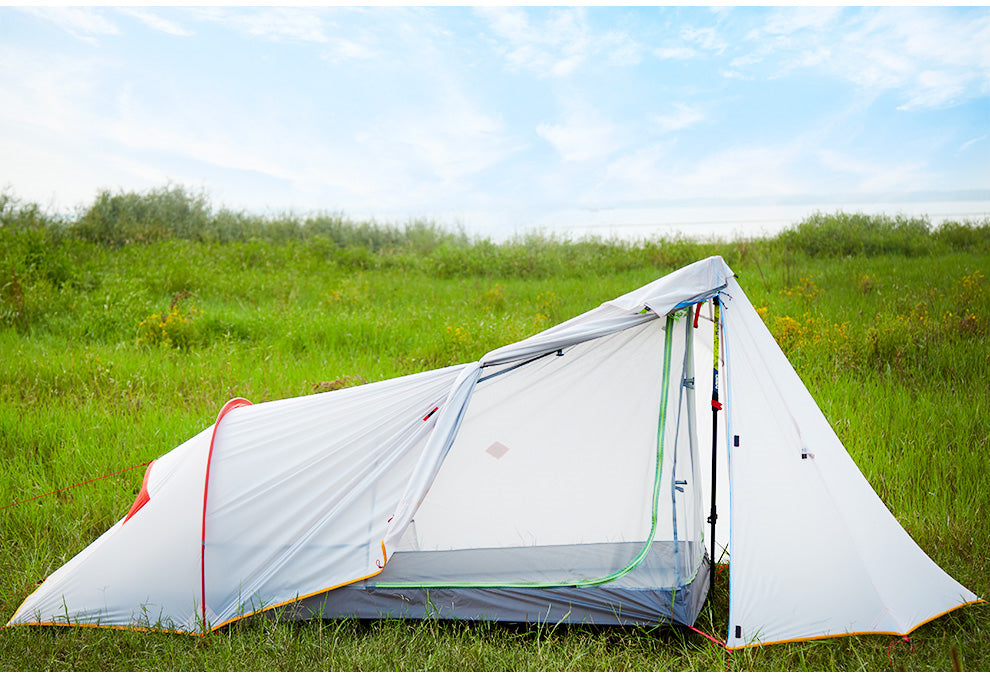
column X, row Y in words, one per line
column 978, row 601
column 201, row 633
column 303, row 597
column 18, row 610
column 353, row 581
column 145, row 629
column 228, row 406
column 860, row 632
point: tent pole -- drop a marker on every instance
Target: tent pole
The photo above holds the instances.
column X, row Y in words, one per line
column 716, row 406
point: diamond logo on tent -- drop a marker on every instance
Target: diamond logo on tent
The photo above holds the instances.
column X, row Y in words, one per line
column 497, row 450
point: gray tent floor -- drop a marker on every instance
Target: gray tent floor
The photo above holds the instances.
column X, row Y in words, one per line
column 474, row 585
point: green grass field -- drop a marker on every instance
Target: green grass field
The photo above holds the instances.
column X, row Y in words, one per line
column 125, row 328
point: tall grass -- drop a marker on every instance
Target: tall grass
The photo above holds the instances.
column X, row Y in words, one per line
column 125, row 328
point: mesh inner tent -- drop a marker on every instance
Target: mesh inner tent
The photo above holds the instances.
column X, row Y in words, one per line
column 575, row 468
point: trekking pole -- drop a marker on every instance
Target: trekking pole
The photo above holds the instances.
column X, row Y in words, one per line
column 716, row 406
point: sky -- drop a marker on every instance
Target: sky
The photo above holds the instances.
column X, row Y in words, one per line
column 501, row 120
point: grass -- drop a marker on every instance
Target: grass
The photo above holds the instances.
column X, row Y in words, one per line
column 124, row 329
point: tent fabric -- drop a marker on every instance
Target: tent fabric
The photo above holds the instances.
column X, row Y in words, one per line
column 846, row 555
column 564, row 477
column 281, row 512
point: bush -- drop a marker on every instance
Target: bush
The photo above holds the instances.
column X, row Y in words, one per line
column 842, row 234
column 129, row 217
column 965, row 236
column 177, row 328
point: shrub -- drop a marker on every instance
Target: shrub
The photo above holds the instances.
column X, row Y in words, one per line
column 177, row 328
column 128, row 217
column 842, row 234
column 965, row 236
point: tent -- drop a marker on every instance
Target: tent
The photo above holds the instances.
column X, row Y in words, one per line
column 563, row 478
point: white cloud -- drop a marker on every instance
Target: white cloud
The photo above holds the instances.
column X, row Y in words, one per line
column 734, row 75
column 84, row 23
column 582, row 136
column 785, row 22
column 55, row 95
column 971, row 142
column 934, row 57
column 157, row 22
column 744, row 171
column 558, row 45
column 936, row 88
column 342, row 50
column 790, row 38
column 707, row 39
column 555, row 48
column 679, row 53
column 51, row 175
column 691, row 43
column 278, row 24
column 867, row 175
column 620, row 49
column 682, row 117
column 446, row 144
column 65, row 110
column 664, row 171
column 643, row 173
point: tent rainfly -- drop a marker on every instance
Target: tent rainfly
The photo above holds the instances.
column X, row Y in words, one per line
column 566, row 477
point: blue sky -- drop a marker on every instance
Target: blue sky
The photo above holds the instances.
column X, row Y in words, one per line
column 496, row 118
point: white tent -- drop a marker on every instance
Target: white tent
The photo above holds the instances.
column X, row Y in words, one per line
column 562, row 478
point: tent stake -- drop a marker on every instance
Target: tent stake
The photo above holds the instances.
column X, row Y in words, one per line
column 716, row 406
